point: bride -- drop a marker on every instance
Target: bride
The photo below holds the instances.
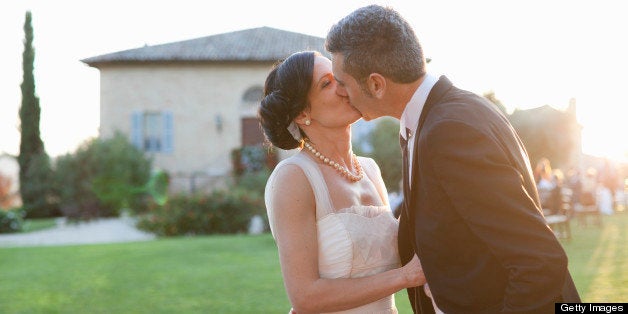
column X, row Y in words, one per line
column 328, row 209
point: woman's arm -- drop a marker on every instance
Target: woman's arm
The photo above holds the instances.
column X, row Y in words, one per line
column 294, row 222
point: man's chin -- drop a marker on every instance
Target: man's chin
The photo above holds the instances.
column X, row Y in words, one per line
column 357, row 110
column 362, row 116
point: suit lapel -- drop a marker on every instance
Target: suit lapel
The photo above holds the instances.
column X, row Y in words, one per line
column 436, row 94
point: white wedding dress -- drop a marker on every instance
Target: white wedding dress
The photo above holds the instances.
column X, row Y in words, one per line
column 352, row 242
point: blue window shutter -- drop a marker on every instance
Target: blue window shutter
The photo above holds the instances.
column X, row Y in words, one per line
column 167, row 141
column 137, row 138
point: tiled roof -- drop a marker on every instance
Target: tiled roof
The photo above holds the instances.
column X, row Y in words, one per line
column 256, row 44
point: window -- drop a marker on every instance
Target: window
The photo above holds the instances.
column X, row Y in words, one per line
column 253, row 94
column 152, row 131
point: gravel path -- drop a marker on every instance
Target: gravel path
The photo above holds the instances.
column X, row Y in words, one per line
column 109, row 230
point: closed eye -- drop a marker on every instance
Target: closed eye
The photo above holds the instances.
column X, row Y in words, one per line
column 341, row 83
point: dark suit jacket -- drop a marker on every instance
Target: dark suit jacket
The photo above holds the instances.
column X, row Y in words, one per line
column 473, row 214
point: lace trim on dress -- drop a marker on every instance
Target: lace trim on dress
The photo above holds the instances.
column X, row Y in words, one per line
column 364, row 210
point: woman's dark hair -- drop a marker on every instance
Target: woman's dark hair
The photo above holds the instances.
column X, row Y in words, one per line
column 285, row 97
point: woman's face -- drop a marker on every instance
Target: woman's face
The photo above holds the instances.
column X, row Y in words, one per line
column 326, row 107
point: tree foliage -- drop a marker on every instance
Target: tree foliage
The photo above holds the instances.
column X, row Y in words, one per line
column 33, row 161
column 492, row 98
column 547, row 133
column 102, row 177
column 384, row 139
column 42, row 201
column 11, row 220
column 31, row 143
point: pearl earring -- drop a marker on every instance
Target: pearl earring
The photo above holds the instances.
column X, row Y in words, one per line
column 307, row 122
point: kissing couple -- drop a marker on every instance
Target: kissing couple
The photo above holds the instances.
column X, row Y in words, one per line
column 471, row 237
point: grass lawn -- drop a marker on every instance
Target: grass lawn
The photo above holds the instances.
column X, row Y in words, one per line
column 598, row 259
column 230, row 274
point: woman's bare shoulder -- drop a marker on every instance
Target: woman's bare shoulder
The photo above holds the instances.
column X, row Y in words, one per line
column 288, row 180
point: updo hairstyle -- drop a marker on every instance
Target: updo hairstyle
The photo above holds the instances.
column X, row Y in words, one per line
column 285, row 97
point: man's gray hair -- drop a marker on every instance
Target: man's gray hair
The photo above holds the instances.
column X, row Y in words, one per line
column 376, row 39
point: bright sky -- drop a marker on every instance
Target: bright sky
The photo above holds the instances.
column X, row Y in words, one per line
column 529, row 52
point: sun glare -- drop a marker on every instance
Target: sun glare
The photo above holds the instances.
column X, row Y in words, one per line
column 602, row 137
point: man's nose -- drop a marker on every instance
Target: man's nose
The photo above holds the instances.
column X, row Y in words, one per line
column 341, row 91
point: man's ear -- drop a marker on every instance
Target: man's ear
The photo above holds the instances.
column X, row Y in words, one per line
column 376, row 84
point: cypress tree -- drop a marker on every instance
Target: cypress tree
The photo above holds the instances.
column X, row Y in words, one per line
column 31, row 146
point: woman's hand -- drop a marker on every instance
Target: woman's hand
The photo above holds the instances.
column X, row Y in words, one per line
column 413, row 273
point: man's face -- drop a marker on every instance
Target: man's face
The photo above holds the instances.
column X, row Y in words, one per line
column 349, row 87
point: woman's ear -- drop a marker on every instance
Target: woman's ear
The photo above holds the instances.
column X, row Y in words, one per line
column 303, row 119
column 376, row 84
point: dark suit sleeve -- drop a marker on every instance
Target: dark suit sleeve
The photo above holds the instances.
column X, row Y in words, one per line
column 480, row 176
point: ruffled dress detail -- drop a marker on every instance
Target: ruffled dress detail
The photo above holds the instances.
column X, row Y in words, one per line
column 356, row 241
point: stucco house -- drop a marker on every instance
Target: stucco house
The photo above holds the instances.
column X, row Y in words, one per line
column 189, row 104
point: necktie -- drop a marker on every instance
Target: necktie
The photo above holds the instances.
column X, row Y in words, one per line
column 403, row 142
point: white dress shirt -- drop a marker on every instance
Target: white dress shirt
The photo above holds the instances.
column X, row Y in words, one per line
column 412, row 112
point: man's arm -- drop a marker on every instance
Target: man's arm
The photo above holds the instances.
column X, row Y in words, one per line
column 489, row 193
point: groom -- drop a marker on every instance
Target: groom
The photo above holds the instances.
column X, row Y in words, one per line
column 471, row 210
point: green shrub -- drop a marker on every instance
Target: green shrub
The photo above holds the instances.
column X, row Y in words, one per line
column 218, row 213
column 38, row 191
column 383, row 140
column 11, row 220
column 253, row 159
column 254, row 182
column 102, row 177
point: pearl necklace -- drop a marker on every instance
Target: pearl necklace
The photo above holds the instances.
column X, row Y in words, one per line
column 342, row 170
